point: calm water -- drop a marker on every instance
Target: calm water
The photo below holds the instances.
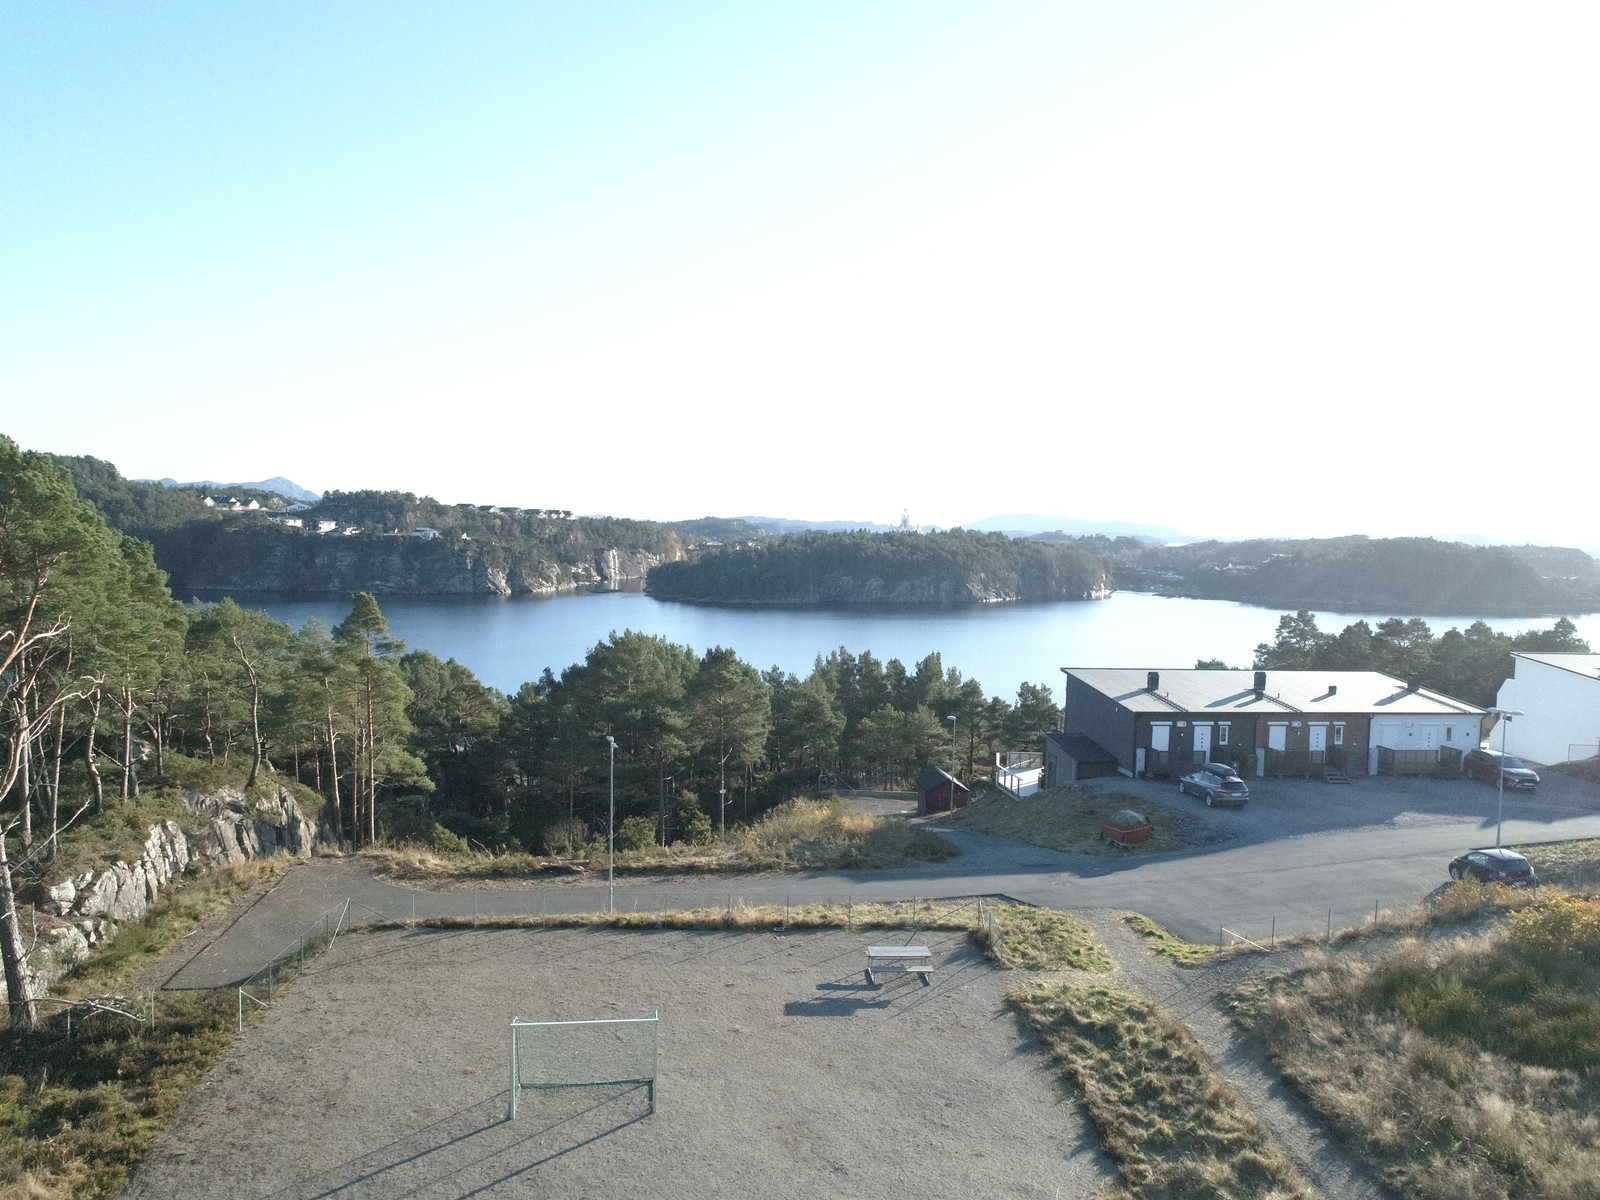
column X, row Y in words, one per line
column 507, row 642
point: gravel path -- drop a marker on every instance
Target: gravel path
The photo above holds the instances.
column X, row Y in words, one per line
column 1190, row 994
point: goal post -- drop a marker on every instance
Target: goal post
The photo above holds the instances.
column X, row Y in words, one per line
column 603, row 1052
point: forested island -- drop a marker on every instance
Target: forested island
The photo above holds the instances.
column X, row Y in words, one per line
column 1424, row 576
column 954, row 567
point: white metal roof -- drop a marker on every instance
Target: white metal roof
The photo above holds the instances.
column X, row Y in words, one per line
column 1191, row 691
column 1582, row 664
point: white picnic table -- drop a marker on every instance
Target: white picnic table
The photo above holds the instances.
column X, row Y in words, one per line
column 910, row 960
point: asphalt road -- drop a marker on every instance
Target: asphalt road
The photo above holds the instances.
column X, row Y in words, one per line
column 1301, row 855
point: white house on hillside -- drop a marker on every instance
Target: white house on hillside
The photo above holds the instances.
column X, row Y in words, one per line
column 1560, row 693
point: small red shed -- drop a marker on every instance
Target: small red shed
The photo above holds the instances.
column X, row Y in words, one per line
column 939, row 792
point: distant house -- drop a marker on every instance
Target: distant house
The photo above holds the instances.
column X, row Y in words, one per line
column 425, row 532
column 208, row 502
column 327, row 526
column 297, row 506
column 290, row 522
column 938, row 791
column 1159, row 724
column 1560, row 697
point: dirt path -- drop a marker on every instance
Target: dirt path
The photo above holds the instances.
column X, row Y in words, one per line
column 1190, row 994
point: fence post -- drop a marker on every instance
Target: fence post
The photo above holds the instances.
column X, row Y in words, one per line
column 1374, row 912
column 1330, row 927
column 788, row 903
column 241, row 1008
column 849, row 911
column 1273, row 943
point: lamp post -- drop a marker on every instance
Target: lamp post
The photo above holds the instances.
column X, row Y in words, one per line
column 951, row 718
column 611, row 828
column 1505, row 715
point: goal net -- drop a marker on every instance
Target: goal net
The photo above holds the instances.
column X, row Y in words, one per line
column 546, row 1055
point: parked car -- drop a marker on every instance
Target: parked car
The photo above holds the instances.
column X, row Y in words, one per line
column 1489, row 765
column 1228, row 791
column 1495, row 865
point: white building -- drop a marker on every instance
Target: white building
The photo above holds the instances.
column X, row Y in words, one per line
column 1560, row 693
column 425, row 532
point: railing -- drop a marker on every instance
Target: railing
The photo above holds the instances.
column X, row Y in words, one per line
column 1415, row 763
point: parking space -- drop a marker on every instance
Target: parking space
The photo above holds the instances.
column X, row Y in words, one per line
column 1283, row 808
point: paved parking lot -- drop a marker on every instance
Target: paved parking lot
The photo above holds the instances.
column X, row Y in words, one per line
column 1286, row 808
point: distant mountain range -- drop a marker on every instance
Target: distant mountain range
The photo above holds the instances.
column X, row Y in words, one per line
column 284, row 487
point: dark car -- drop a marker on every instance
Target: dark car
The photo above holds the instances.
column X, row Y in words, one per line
column 1491, row 765
column 1495, row 865
column 1227, row 791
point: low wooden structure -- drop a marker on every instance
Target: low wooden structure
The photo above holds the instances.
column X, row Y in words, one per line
column 938, row 791
column 905, row 960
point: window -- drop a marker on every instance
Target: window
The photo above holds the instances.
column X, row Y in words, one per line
column 1222, row 735
column 1338, row 735
column 1449, row 732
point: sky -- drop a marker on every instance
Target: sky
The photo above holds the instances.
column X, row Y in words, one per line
column 1237, row 268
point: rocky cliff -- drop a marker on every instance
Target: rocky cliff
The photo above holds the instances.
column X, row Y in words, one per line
column 218, row 558
column 83, row 911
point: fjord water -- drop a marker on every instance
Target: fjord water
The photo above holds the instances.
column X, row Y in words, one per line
column 508, row 642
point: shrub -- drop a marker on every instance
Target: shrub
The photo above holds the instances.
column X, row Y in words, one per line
column 1564, row 926
column 564, row 838
column 636, row 833
column 693, row 824
column 442, row 841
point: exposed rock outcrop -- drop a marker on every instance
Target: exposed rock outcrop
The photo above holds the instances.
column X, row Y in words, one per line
column 83, row 911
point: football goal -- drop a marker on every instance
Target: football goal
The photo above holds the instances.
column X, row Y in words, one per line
column 546, row 1055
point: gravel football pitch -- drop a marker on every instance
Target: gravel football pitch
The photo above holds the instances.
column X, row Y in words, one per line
column 383, row 1072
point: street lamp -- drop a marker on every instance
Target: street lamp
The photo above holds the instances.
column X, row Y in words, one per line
column 1505, row 714
column 951, row 718
column 611, row 828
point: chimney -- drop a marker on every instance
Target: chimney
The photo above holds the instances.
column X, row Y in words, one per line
column 1333, row 689
column 1152, row 681
column 1413, row 684
column 1261, row 684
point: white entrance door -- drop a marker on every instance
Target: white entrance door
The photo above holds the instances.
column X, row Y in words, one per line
column 1277, row 736
column 1319, row 738
column 1160, row 737
column 1202, row 743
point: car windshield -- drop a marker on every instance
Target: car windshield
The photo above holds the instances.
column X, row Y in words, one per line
column 1511, row 764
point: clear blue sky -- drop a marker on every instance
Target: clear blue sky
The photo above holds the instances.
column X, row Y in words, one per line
column 664, row 260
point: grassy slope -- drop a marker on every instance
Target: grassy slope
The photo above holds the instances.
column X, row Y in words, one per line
column 1162, row 1112
column 76, row 1112
column 1069, row 819
column 798, row 835
column 1466, row 1069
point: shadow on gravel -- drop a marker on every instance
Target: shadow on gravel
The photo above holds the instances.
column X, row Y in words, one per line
column 475, row 1150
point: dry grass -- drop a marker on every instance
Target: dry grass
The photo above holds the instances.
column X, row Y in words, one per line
column 798, row 835
column 1012, row 935
column 1164, row 942
column 76, row 1113
column 1172, row 1125
column 1574, row 864
column 1464, row 1070
column 1069, row 819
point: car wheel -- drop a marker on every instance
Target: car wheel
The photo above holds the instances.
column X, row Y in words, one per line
column 1455, row 872
column 1210, row 803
